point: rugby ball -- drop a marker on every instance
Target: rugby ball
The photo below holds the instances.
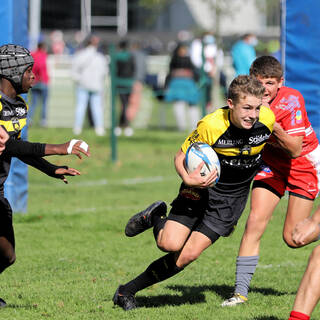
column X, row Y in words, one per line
column 198, row 152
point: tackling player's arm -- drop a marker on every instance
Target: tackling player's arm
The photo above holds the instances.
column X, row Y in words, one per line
column 193, row 179
column 291, row 144
column 19, row 147
column 50, row 169
column 74, row 146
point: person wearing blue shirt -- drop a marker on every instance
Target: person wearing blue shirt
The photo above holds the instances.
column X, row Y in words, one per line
column 243, row 53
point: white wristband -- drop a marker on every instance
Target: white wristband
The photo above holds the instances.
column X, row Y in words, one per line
column 71, row 144
column 84, row 146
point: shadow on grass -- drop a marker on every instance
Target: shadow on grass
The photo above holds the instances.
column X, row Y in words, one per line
column 224, row 291
column 169, row 300
column 21, row 306
column 196, row 294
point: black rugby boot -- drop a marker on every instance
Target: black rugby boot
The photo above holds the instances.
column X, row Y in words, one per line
column 143, row 220
column 126, row 302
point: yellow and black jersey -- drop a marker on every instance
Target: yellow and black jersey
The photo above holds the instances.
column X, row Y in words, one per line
column 13, row 114
column 13, row 117
column 239, row 150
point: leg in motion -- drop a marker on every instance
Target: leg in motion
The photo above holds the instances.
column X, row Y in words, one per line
column 308, row 293
column 146, row 218
column 263, row 202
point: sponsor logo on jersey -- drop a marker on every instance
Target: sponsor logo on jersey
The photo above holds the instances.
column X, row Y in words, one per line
column 265, row 169
column 291, row 104
column 16, row 124
column 242, row 162
column 259, row 138
column 299, row 116
column 20, row 111
column 230, row 142
column 7, row 113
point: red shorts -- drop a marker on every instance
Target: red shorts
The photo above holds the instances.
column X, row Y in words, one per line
column 302, row 177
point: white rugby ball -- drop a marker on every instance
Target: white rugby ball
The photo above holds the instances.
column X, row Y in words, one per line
column 198, row 152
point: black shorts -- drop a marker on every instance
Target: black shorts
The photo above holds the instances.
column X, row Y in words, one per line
column 6, row 227
column 208, row 211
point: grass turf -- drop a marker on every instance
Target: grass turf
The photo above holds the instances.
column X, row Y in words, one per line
column 72, row 252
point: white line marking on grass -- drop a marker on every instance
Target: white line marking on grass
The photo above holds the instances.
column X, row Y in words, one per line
column 104, row 182
column 90, row 210
column 281, row 265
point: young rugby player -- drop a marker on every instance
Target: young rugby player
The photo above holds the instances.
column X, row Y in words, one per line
column 16, row 77
column 201, row 214
column 291, row 163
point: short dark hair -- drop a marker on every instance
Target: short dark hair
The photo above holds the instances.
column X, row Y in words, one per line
column 124, row 44
column 266, row 67
column 243, row 86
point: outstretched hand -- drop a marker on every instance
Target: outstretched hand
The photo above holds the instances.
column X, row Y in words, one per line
column 66, row 172
column 78, row 147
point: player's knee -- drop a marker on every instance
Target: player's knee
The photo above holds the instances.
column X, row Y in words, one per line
column 168, row 245
column 188, row 257
column 254, row 225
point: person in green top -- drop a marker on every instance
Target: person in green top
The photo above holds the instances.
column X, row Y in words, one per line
column 125, row 70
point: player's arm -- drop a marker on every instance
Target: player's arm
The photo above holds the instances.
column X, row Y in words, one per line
column 291, row 144
column 48, row 168
column 74, row 146
column 193, row 179
column 307, row 230
column 16, row 148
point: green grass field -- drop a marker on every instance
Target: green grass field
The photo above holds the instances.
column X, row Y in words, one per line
column 72, row 252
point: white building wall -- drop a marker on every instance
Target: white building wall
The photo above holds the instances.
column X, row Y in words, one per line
column 245, row 17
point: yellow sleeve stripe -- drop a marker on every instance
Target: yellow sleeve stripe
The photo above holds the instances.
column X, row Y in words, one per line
column 9, row 126
column 267, row 117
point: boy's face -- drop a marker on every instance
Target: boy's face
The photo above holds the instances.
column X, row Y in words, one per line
column 27, row 80
column 272, row 85
column 245, row 113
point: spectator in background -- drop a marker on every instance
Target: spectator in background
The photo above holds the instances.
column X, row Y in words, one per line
column 40, row 88
column 213, row 63
column 58, row 45
column 125, row 66
column 243, row 53
column 89, row 69
column 139, row 80
column 182, row 89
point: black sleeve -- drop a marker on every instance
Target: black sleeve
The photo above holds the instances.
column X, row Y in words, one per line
column 16, row 148
column 42, row 165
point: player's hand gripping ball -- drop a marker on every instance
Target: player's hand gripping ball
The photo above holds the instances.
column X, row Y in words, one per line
column 198, row 152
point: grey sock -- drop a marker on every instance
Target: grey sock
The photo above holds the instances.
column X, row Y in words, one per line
column 246, row 267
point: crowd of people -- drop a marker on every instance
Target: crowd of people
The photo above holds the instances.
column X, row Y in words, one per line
column 196, row 66
column 262, row 135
